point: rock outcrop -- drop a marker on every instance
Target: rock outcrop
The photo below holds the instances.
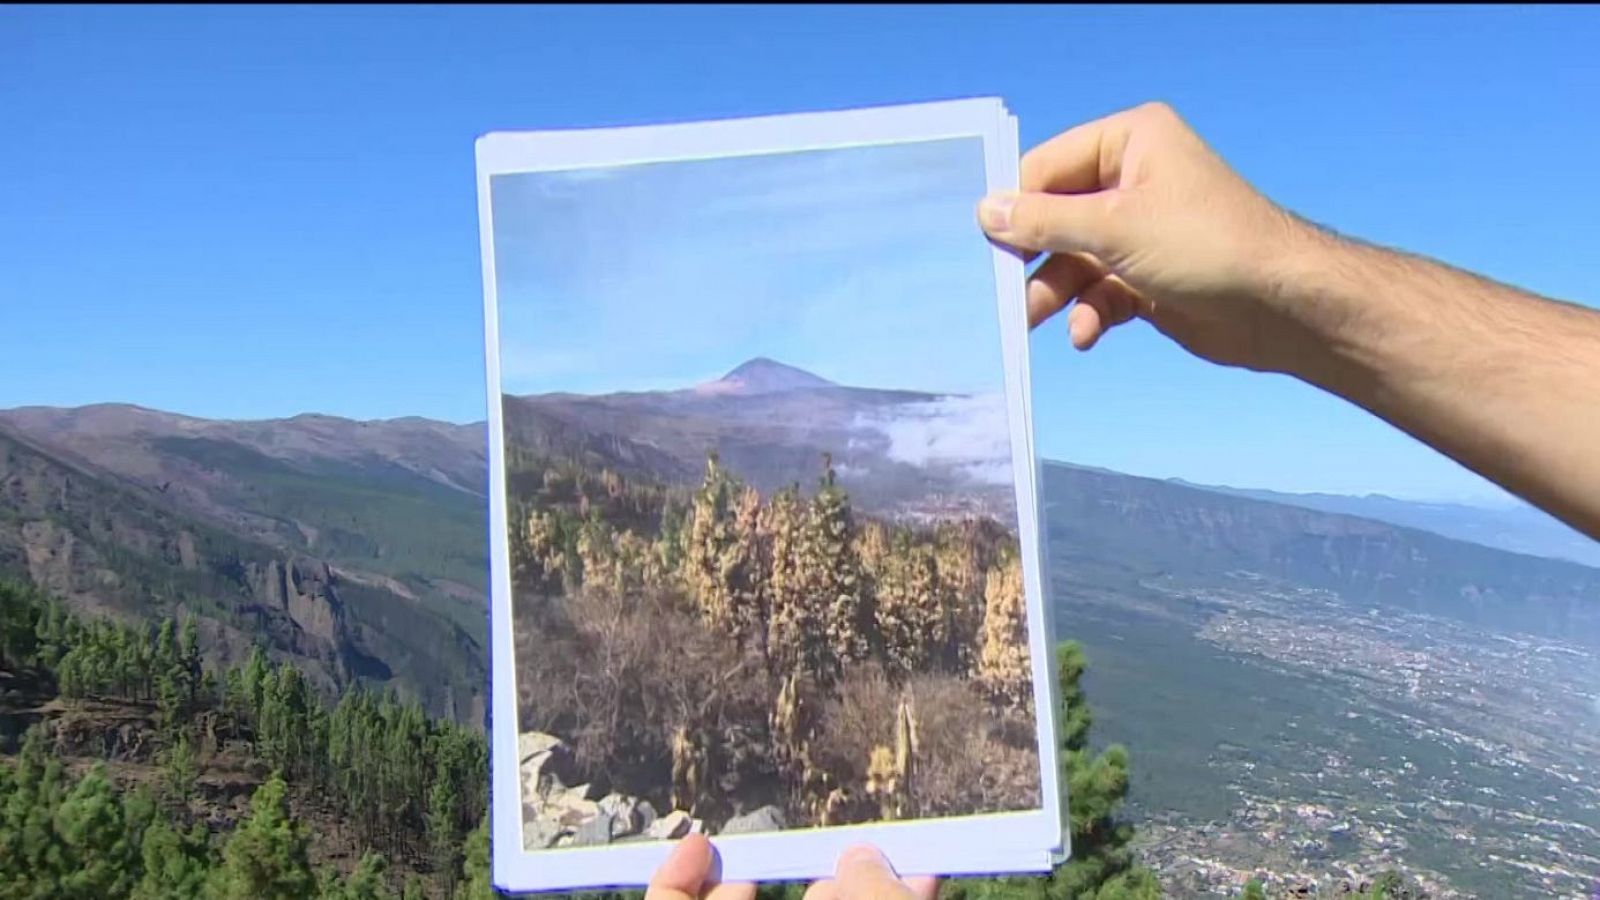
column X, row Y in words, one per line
column 557, row 813
column 302, row 588
column 767, row 818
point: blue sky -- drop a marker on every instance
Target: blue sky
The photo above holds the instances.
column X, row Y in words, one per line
column 252, row 212
column 858, row 264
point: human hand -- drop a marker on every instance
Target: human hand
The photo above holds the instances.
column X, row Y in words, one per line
column 1141, row 218
column 690, row 873
column 862, row 874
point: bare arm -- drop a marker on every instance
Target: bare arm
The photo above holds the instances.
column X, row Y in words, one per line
column 1141, row 219
column 1502, row 381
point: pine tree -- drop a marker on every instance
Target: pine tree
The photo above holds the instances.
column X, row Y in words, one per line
column 872, row 549
column 1004, row 664
column 176, row 865
column 1253, row 890
column 961, row 577
column 31, row 793
column 99, row 851
column 235, row 702
column 68, row 681
column 476, row 878
column 366, row 882
column 831, row 576
column 441, row 823
column 597, row 556
column 189, row 663
column 180, row 769
column 266, row 858
column 171, row 688
column 284, row 719
column 536, row 554
column 912, row 621
column 1101, row 865
column 123, row 655
column 50, row 635
column 746, row 565
column 797, row 643
column 711, row 547
column 252, row 684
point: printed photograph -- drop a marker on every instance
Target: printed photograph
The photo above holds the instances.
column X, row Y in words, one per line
column 762, row 520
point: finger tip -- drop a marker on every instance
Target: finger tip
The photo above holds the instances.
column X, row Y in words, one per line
column 1078, row 333
column 994, row 212
column 686, row 868
column 924, row 887
column 860, row 853
column 863, row 854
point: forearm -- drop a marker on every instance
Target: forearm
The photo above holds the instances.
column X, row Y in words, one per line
column 1504, row 382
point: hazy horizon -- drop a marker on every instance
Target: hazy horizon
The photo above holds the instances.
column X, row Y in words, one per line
column 267, row 275
column 1509, row 502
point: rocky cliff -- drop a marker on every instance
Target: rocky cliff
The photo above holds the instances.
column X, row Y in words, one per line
column 109, row 546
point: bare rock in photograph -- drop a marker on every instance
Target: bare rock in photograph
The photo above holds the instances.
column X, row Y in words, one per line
column 556, row 814
column 767, row 818
column 671, row 826
column 545, row 761
column 537, row 833
column 624, row 813
column 533, row 743
column 644, row 815
column 594, row 832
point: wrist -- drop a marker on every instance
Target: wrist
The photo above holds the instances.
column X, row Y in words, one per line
column 1329, row 298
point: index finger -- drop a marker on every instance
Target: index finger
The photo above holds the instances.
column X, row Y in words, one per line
column 1082, row 159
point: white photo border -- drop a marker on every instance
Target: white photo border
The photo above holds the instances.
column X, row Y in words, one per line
column 994, row 843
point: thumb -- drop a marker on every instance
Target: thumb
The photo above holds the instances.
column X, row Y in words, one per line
column 863, row 874
column 684, row 872
column 1054, row 223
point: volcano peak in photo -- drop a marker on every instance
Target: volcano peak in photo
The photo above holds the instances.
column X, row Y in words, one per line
column 766, row 376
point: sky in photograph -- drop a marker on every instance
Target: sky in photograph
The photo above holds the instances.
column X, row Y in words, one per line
column 249, row 212
column 858, row 264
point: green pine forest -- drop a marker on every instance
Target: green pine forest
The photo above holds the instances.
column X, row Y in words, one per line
column 130, row 767
column 407, row 793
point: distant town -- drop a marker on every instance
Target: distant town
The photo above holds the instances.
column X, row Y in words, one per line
column 1437, row 745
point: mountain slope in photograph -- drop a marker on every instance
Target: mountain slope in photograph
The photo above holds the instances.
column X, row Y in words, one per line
column 900, row 453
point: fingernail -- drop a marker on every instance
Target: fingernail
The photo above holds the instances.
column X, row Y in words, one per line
column 995, row 210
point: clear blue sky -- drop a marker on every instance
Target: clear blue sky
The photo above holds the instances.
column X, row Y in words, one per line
column 861, row 265
column 259, row 211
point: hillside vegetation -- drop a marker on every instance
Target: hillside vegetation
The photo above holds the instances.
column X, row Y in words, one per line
column 837, row 667
column 367, row 799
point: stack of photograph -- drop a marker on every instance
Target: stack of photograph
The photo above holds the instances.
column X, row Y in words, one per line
column 766, row 561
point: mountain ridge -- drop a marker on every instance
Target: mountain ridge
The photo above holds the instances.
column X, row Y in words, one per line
column 389, row 520
column 27, row 423
column 1518, row 527
column 245, row 546
column 1141, row 527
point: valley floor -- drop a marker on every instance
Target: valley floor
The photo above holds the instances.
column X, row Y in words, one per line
column 1280, row 733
